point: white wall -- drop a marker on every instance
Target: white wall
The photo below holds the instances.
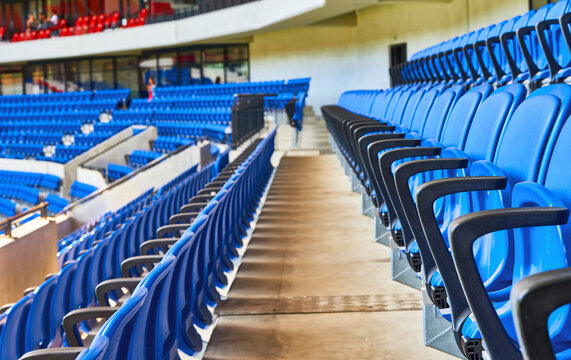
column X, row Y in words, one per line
column 338, row 58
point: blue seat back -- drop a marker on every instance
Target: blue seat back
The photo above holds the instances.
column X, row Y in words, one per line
column 458, row 122
column 489, row 120
column 534, row 126
column 439, row 111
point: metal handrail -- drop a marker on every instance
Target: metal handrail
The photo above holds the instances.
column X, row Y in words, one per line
column 6, row 224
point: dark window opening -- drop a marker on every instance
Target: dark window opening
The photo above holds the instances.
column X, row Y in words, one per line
column 398, row 56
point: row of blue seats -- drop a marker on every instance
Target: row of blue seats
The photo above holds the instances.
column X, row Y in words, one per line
column 44, row 126
column 7, row 207
column 533, row 48
column 55, row 116
column 55, row 203
column 79, row 96
column 140, row 158
column 146, row 116
column 36, row 321
column 16, row 137
column 166, row 144
column 20, row 192
column 431, row 158
column 57, row 107
column 184, row 270
column 115, row 171
column 220, row 89
column 72, row 247
column 100, row 226
column 91, row 139
column 40, row 180
column 189, row 102
column 80, row 190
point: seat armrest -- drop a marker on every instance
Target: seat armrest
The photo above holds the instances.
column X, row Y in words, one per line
column 426, row 195
column 533, row 299
column 463, row 232
column 164, row 244
column 147, row 260
column 75, row 317
column 68, row 353
column 174, row 229
column 386, row 161
column 193, row 207
column 186, row 218
column 106, row 286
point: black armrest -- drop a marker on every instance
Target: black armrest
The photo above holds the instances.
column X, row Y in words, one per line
column 175, row 229
column 368, row 168
column 68, row 353
column 373, row 153
column 186, row 218
column 533, row 299
column 5, row 308
column 564, row 22
column 554, row 66
column 192, row 207
column 463, row 232
column 510, row 35
column 164, row 244
column 426, row 195
column 104, row 287
column 76, row 316
column 29, row 290
column 402, row 174
column 385, row 172
column 497, row 68
column 148, row 260
column 479, row 47
column 521, row 32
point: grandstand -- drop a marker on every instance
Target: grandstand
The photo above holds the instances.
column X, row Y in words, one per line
column 301, row 179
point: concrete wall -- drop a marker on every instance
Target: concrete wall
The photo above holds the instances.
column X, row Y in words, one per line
column 119, row 195
column 27, row 258
column 116, row 155
column 341, row 57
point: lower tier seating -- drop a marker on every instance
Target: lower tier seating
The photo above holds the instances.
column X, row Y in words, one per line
column 165, row 299
column 473, row 188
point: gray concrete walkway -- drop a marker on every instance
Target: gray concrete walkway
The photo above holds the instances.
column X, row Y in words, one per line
column 313, row 284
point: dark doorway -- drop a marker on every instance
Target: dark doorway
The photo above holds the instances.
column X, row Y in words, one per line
column 398, row 56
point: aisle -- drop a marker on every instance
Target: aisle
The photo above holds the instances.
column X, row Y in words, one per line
column 313, row 284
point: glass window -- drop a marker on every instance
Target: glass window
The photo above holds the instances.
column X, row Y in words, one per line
column 34, row 79
column 102, row 76
column 84, row 76
column 171, row 7
column 111, row 6
column 237, row 53
column 71, row 76
column 132, row 7
column 11, row 79
column 80, row 7
column 536, row 4
column 94, row 7
column 237, row 72
column 213, row 68
column 168, row 71
column 18, row 17
column 54, row 81
column 57, row 7
column 190, row 68
column 147, row 70
column 127, row 76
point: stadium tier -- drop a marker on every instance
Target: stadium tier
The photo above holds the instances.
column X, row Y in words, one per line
column 441, row 157
column 175, row 206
